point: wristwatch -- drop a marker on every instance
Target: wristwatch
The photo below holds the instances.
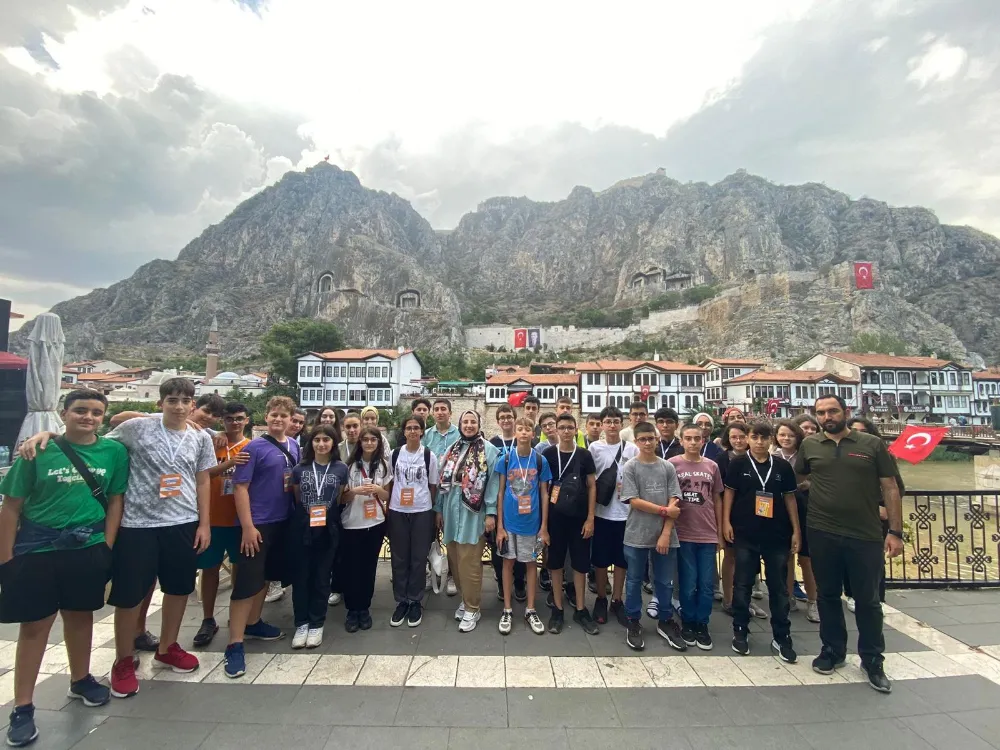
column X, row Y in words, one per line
column 898, row 534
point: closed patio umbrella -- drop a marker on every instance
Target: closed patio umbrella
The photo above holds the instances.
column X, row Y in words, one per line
column 45, row 360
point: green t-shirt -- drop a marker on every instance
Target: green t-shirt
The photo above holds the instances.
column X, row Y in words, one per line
column 54, row 493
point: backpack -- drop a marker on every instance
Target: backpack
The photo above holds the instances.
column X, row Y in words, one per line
column 427, row 462
column 572, row 492
column 607, row 480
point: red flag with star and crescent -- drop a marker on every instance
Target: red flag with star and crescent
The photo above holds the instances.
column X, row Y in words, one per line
column 917, row 442
column 863, row 276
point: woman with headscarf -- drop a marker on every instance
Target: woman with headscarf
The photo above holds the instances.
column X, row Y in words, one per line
column 369, row 418
column 466, row 508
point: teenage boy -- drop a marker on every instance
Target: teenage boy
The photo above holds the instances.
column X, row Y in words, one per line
column 650, row 488
column 522, row 516
column 262, row 488
column 699, row 530
column 547, row 423
column 569, row 522
column 222, row 516
column 564, row 405
column 638, row 413
column 207, row 411
column 296, row 424
column 506, row 441
column 611, row 455
column 761, row 520
column 439, row 439
column 55, row 535
column 421, row 407
column 594, row 428
column 666, row 424
column 531, row 407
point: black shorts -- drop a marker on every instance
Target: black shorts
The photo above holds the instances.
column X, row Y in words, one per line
column 267, row 565
column 566, row 534
column 608, row 545
column 39, row 584
column 141, row 556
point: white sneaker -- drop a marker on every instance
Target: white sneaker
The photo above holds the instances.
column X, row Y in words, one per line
column 301, row 634
column 314, row 637
column 534, row 622
column 718, row 592
column 335, row 599
column 469, row 622
column 850, row 603
column 653, row 608
column 450, row 588
column 460, row 612
column 812, row 612
column 506, row 622
column 792, row 604
column 274, row 592
column 756, row 611
column 758, row 589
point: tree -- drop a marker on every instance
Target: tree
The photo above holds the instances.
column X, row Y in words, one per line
column 879, row 343
column 291, row 338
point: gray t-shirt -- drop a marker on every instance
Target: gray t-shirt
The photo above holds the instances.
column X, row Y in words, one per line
column 654, row 483
column 151, row 451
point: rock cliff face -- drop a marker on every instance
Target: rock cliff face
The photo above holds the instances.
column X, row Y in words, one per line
column 319, row 244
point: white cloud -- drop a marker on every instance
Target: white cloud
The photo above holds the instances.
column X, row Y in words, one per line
column 941, row 62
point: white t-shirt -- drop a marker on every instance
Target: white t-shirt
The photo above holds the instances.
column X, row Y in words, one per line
column 410, row 475
column 353, row 515
column 604, row 455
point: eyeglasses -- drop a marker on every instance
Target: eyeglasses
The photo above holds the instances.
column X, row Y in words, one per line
column 613, row 422
column 234, row 419
column 369, row 440
column 567, row 428
column 645, row 439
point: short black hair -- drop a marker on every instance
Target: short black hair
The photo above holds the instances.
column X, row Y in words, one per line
column 564, row 400
column 417, row 401
column 504, row 409
column 444, row 401
column 639, row 405
column 611, row 411
column 84, row 394
column 665, row 412
column 869, row 426
column 176, row 387
column 532, row 400
column 838, row 399
column 566, row 417
column 642, row 428
column 593, row 415
column 235, row 407
column 761, row 427
column 215, row 403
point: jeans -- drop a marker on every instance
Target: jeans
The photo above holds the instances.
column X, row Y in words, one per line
column 863, row 562
column 748, row 557
column 663, row 585
column 696, row 581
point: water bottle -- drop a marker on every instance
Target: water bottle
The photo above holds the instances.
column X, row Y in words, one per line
column 4, row 456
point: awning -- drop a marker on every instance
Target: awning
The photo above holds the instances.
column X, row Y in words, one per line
column 10, row 361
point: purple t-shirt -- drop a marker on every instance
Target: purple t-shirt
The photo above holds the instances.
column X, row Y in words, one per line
column 265, row 473
column 700, row 483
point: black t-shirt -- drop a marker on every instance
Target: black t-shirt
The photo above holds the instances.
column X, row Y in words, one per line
column 576, row 467
column 744, row 475
column 503, row 445
column 669, row 448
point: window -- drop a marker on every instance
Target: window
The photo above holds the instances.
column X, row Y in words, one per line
column 952, row 378
column 847, row 393
column 691, row 402
column 903, row 378
column 593, row 378
column 966, row 378
column 302, row 371
column 937, row 402
column 888, row 377
column 325, row 283
column 869, row 377
column 356, row 395
column 749, row 392
column 566, row 392
column 827, row 390
column 920, row 378
column 329, row 394
column 665, row 379
column 905, row 399
column 782, row 392
column 594, row 402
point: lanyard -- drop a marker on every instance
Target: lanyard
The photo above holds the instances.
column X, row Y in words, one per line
column 238, row 446
column 320, row 483
column 664, row 452
column 790, row 459
column 770, row 466
column 523, row 469
column 172, row 455
column 568, row 463
column 506, row 446
column 704, row 448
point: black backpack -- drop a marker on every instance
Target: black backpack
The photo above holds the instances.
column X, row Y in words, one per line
column 572, row 492
column 427, row 462
column 607, row 480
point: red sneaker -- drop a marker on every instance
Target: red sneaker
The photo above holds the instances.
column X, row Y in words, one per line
column 178, row 659
column 124, row 683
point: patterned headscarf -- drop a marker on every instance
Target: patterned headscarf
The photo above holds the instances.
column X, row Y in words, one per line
column 464, row 463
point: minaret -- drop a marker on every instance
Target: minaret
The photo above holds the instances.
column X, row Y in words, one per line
column 212, row 350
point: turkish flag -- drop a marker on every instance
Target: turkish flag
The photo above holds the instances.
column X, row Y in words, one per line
column 520, row 338
column 644, row 392
column 916, row 442
column 517, row 399
column 863, row 276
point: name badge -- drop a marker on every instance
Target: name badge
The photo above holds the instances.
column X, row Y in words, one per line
column 554, row 494
column 765, row 505
column 370, row 512
column 317, row 515
column 406, row 497
column 170, row 485
column 227, row 486
column 523, row 505
column 287, row 481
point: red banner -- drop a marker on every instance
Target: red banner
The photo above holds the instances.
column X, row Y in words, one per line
column 517, row 399
column 917, row 442
column 863, row 276
column 520, row 338
column 773, row 405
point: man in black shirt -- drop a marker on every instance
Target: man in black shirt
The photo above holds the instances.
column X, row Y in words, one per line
column 760, row 518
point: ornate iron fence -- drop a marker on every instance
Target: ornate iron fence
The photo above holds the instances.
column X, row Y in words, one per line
column 951, row 539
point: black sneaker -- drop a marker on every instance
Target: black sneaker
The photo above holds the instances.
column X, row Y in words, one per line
column 402, row 609
column 352, row 623
column 365, row 620
column 601, row 610
column 520, row 592
column 556, row 621
column 545, row 580
column 90, row 691
column 688, row 634
column 582, row 618
column 592, row 581
column 22, row 730
column 825, row 663
column 415, row 614
column 618, row 610
column 671, row 632
column 876, row 678
column 741, row 642
column 703, row 638
column 206, row 632
column 647, row 587
column 783, row 650
column 550, row 599
column 633, row 636
column 146, row 642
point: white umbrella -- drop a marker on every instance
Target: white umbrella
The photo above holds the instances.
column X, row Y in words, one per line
column 45, row 360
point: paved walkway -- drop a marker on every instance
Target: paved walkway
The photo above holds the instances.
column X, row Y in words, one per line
column 483, row 690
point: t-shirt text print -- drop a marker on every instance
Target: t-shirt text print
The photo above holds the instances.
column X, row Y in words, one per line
column 69, row 474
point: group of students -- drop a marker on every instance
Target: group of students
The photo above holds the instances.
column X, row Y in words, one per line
column 163, row 496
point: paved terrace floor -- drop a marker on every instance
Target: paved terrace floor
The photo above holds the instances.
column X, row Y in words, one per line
column 434, row 687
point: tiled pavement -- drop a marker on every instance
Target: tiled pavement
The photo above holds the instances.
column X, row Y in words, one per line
column 434, row 687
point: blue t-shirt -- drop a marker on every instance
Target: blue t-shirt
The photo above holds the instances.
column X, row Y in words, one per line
column 711, row 451
column 522, row 478
column 265, row 473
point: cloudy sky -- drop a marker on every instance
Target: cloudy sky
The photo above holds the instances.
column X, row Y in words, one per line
column 127, row 126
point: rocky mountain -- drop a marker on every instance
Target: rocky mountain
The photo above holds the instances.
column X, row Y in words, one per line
column 778, row 257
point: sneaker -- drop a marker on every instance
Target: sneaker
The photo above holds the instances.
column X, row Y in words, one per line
column 146, row 642
column 727, row 609
column 365, row 620
column 688, row 634
column 703, row 638
column 460, row 612
column 469, row 621
column 850, row 603
column 506, row 622
column 399, row 615
column 206, row 632
column 499, row 594
column 582, row 618
column 793, row 605
column 299, row 639
column 556, row 621
column 550, row 600
column 22, row 730
column 618, row 610
column 262, row 631
column 671, row 632
column 876, row 678
column 812, row 612
column 235, row 661
column 124, row 683
column 601, row 610
column 520, row 592
column 633, row 636
column 653, row 609
column 718, row 593
column 178, row 659
column 314, row 637
column 90, row 691
column 545, row 580
column 741, row 642
column 534, row 622
column 825, row 663
column 352, row 623
column 450, row 588
column 274, row 592
column 758, row 589
column 798, row 593
column 756, row 611
column 647, row 586
column 784, row 650
column 335, row 599
column 415, row 615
